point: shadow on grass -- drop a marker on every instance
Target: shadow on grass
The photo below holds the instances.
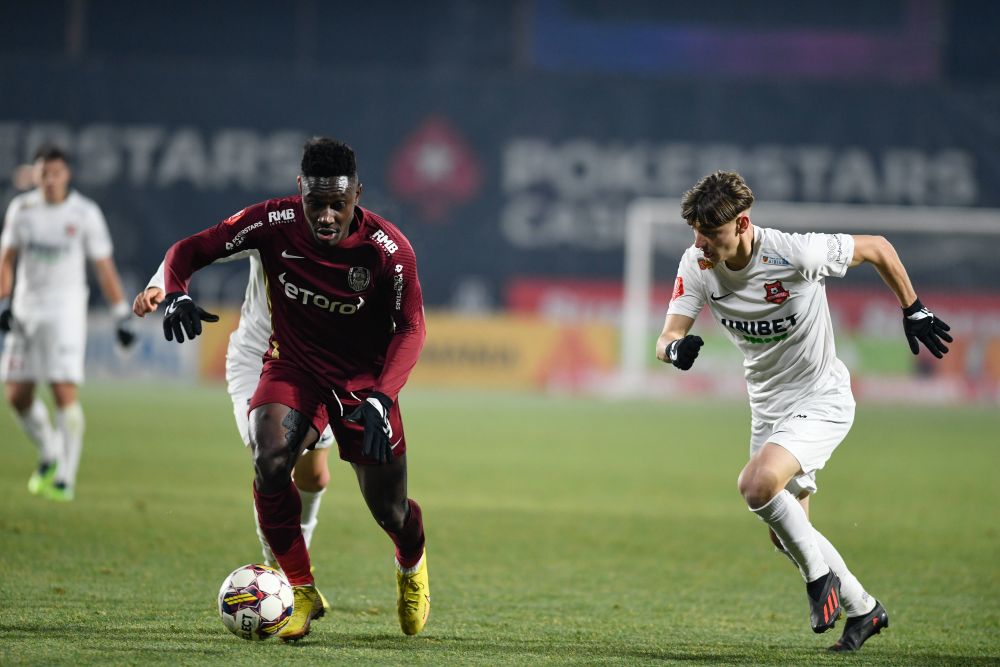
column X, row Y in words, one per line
column 686, row 653
column 211, row 643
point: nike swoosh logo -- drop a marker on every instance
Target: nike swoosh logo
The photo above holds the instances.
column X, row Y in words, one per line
column 173, row 304
column 719, row 298
column 284, row 253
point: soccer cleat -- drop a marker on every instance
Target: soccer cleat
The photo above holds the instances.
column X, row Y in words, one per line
column 58, row 492
column 413, row 597
column 308, row 607
column 858, row 629
column 312, row 570
column 825, row 609
column 41, row 478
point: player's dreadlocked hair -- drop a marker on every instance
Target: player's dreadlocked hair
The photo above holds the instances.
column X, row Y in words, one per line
column 715, row 200
column 326, row 157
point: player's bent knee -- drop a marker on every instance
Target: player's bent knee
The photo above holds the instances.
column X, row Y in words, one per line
column 20, row 397
column 758, row 487
column 272, row 465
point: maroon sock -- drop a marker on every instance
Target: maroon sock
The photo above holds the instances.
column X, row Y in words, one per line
column 410, row 540
column 280, row 517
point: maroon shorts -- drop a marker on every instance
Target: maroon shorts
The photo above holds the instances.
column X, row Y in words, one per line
column 285, row 383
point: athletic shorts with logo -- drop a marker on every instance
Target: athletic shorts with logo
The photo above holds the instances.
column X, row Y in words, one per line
column 810, row 430
column 46, row 348
column 242, row 376
column 285, row 383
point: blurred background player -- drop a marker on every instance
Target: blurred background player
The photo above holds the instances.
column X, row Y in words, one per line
column 766, row 288
column 47, row 234
column 244, row 360
column 347, row 328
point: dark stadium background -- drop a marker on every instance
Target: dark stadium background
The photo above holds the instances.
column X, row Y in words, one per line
column 508, row 138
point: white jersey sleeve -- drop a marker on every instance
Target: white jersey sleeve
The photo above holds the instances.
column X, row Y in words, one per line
column 11, row 236
column 815, row 255
column 96, row 238
column 689, row 294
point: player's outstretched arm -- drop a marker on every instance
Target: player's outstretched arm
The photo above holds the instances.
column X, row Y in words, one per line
column 675, row 346
column 919, row 323
column 111, row 287
column 7, row 258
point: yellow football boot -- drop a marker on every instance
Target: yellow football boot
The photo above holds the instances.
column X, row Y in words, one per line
column 308, row 606
column 413, row 597
column 312, row 570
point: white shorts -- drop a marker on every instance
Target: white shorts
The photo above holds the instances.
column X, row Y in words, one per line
column 810, row 431
column 242, row 374
column 49, row 349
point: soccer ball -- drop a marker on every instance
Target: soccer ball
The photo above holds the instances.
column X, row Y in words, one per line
column 255, row 602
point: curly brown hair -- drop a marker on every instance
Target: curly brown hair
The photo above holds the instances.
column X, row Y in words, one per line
column 715, row 200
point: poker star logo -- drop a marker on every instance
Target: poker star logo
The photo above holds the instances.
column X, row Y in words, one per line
column 775, row 292
column 435, row 169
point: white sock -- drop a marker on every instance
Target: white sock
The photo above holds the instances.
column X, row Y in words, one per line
column 36, row 425
column 310, row 512
column 70, row 427
column 789, row 522
column 853, row 596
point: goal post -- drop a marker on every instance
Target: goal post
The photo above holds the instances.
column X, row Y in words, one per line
column 647, row 215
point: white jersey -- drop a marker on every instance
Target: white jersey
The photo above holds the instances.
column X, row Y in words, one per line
column 254, row 330
column 775, row 311
column 53, row 242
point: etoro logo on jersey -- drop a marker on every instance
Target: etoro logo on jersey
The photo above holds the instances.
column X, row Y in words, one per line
column 775, row 292
column 310, row 298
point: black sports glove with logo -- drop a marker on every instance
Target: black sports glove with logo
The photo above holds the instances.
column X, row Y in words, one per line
column 921, row 324
column 6, row 316
column 683, row 351
column 373, row 413
column 181, row 316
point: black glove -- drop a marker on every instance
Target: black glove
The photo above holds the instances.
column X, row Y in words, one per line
column 921, row 324
column 6, row 316
column 374, row 414
column 683, row 351
column 181, row 316
column 125, row 332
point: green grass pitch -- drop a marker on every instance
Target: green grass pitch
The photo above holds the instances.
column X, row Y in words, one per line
column 560, row 531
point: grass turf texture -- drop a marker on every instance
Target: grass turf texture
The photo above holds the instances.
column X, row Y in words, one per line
column 560, row 531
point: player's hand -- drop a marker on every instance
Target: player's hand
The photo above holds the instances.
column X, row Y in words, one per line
column 125, row 332
column 373, row 413
column 923, row 325
column 181, row 316
column 6, row 316
column 147, row 301
column 683, row 351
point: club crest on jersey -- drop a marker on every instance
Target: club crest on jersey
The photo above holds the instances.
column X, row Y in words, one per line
column 775, row 292
column 704, row 264
column 358, row 277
